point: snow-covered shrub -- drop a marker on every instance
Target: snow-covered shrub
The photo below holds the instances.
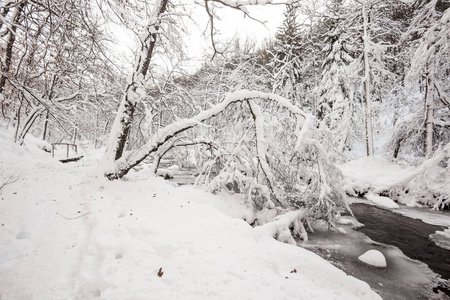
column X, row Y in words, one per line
column 429, row 184
column 270, row 151
column 275, row 158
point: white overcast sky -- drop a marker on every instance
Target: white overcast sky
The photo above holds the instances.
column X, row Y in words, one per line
column 233, row 23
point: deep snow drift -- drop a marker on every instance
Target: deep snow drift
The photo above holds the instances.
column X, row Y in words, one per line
column 68, row 235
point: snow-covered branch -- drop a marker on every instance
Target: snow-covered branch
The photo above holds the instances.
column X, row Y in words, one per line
column 132, row 158
column 280, row 227
column 261, row 150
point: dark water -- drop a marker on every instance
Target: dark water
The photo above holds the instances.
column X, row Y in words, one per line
column 411, row 236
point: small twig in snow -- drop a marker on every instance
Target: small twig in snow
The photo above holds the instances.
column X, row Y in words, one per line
column 10, row 180
column 75, row 217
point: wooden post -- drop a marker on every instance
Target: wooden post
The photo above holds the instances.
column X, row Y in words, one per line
column 74, row 135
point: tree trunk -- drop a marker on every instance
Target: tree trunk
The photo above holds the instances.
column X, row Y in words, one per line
column 120, row 131
column 429, row 114
column 75, row 132
column 10, row 38
column 368, row 102
column 16, row 133
column 34, row 114
column 44, row 130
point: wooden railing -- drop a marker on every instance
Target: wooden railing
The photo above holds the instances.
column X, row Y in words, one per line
column 68, row 147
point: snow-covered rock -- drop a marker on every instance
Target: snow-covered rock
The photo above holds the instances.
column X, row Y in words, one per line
column 374, row 258
column 381, row 201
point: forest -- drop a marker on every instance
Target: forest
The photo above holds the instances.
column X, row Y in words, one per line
column 271, row 122
column 110, row 109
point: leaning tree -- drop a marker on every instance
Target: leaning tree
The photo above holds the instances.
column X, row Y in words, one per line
column 286, row 174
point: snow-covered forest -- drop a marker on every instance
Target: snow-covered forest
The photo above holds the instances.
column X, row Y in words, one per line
column 348, row 99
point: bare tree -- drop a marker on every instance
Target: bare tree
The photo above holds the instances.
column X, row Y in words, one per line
column 58, row 61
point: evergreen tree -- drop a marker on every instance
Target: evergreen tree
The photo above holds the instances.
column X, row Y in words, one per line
column 337, row 86
column 287, row 64
column 428, row 126
column 356, row 69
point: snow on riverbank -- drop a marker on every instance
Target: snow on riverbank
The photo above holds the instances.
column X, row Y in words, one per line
column 380, row 200
column 68, row 235
column 426, row 184
column 375, row 174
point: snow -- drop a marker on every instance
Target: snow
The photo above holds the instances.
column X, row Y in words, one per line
column 442, row 238
column 381, row 201
column 69, row 235
column 374, row 258
column 374, row 173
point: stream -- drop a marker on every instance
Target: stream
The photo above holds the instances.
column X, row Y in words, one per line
column 416, row 267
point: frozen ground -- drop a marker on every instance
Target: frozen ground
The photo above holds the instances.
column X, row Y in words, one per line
column 68, row 235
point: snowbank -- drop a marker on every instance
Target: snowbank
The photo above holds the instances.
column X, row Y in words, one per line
column 374, row 258
column 68, row 235
column 442, row 238
column 380, row 200
column 427, row 184
column 375, row 174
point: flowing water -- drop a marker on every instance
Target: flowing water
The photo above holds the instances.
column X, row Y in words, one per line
column 406, row 275
column 411, row 236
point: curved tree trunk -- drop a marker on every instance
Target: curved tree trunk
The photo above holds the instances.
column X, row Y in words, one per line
column 123, row 165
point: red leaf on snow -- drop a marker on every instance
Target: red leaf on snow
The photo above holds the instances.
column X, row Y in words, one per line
column 160, row 272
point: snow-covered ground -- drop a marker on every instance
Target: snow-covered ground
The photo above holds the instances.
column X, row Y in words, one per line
column 68, row 235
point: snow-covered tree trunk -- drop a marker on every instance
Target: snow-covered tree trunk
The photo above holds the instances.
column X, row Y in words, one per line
column 429, row 113
column 133, row 158
column 8, row 51
column 366, row 79
column 261, row 149
column 122, row 124
column 45, row 125
column 31, row 118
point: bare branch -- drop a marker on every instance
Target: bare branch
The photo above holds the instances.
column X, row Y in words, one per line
column 10, row 180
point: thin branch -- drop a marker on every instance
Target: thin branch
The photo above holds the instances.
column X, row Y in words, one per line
column 74, row 218
column 211, row 21
column 10, row 180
